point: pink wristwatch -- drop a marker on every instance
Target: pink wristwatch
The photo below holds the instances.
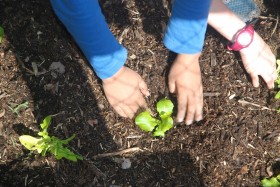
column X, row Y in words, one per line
column 242, row 39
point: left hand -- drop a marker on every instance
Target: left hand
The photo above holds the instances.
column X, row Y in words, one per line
column 258, row 60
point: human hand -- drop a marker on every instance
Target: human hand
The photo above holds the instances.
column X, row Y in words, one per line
column 185, row 80
column 125, row 91
column 258, row 60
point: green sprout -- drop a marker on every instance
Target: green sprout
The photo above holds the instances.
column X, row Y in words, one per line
column 271, row 182
column 45, row 143
column 19, row 107
column 1, row 34
column 148, row 124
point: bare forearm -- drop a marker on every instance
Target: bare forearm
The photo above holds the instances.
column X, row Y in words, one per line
column 224, row 20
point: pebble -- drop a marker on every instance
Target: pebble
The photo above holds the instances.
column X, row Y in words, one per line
column 126, row 164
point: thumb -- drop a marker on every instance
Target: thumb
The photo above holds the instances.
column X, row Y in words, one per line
column 144, row 88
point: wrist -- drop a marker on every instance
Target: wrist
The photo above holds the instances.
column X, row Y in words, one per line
column 118, row 74
column 187, row 58
column 242, row 38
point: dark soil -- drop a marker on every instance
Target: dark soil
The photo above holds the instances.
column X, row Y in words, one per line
column 236, row 144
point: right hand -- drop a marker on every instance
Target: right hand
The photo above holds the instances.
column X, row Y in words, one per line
column 125, row 91
column 185, row 80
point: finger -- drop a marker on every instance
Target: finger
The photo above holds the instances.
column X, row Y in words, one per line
column 255, row 80
column 171, row 85
column 190, row 111
column 133, row 110
column 199, row 110
column 119, row 111
column 269, row 80
column 141, row 102
column 182, row 107
column 128, row 111
column 144, row 88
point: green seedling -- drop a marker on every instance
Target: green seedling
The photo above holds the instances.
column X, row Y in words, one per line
column 19, row 107
column 46, row 143
column 1, row 34
column 159, row 126
column 271, row 182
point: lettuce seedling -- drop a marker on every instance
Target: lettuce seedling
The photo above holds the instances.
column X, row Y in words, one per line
column 148, row 124
column 1, row 34
column 46, row 143
column 271, row 182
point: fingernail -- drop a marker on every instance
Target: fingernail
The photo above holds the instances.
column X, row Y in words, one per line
column 199, row 118
column 180, row 120
column 189, row 122
column 147, row 94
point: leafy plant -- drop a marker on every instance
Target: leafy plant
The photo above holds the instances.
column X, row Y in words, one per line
column 271, row 182
column 46, row 143
column 1, row 33
column 148, row 124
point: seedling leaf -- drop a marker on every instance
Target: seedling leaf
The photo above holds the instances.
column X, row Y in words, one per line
column 29, row 141
column 19, row 107
column 146, row 122
column 46, row 122
column 277, row 96
column 271, row 182
column 1, row 34
column 165, row 125
column 165, row 108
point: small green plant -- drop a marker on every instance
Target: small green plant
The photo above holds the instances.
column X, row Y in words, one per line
column 148, row 124
column 45, row 143
column 271, row 182
column 1, row 34
column 19, row 107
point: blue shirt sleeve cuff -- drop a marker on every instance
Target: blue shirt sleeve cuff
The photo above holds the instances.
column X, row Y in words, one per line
column 185, row 32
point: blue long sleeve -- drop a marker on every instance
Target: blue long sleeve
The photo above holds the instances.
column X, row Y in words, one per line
column 187, row 26
column 86, row 23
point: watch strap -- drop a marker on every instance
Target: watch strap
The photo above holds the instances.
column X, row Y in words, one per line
column 235, row 46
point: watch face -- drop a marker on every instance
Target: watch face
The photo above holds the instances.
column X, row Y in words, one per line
column 244, row 38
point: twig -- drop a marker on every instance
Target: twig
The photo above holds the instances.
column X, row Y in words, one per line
column 211, row 94
column 264, row 17
column 3, row 95
column 90, row 163
column 243, row 102
column 23, row 66
column 95, row 169
column 134, row 149
column 274, row 29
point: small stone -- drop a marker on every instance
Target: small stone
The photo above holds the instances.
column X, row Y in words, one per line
column 101, row 106
column 133, row 56
column 58, row 67
column 92, row 122
column 126, row 164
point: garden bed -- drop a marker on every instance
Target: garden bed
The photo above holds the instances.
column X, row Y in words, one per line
column 236, row 144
